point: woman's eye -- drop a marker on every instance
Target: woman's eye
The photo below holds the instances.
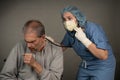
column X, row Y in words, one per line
column 63, row 19
column 69, row 18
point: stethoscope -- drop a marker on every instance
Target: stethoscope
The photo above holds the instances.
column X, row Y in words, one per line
column 70, row 33
column 57, row 43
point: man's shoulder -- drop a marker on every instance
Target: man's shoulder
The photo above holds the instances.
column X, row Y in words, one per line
column 54, row 48
column 20, row 44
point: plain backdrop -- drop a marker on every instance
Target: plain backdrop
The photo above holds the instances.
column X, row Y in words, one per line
column 14, row 13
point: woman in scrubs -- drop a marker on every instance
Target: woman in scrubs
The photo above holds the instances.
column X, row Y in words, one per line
column 90, row 43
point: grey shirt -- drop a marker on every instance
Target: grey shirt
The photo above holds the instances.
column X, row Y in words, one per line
column 50, row 58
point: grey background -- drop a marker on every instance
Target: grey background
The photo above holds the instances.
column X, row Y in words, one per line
column 14, row 13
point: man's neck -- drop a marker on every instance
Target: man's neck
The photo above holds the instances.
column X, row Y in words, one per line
column 42, row 47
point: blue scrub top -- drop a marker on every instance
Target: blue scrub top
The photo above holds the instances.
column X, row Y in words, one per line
column 96, row 34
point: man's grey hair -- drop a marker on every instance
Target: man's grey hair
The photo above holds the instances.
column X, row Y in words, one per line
column 40, row 30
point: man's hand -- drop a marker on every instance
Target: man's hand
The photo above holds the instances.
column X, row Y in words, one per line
column 81, row 36
column 29, row 59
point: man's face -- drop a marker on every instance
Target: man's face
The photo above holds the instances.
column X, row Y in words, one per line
column 34, row 43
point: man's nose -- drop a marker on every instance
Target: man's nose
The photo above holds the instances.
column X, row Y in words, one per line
column 29, row 45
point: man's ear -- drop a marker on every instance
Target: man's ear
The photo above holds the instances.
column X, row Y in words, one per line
column 43, row 36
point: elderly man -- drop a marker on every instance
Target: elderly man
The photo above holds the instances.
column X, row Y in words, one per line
column 35, row 58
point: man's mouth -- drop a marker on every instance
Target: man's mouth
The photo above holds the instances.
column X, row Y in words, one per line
column 32, row 49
